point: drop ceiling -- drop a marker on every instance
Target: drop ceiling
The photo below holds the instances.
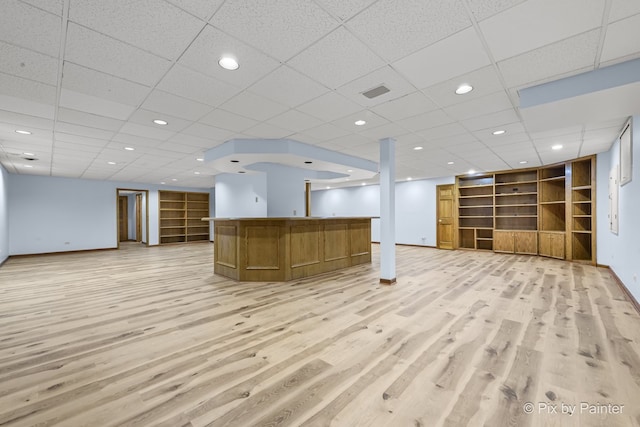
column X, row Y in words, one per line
column 88, row 77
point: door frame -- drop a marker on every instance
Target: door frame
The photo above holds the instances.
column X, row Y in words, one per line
column 123, row 202
column 146, row 220
column 453, row 216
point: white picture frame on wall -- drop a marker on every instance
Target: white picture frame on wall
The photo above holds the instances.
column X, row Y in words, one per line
column 626, row 153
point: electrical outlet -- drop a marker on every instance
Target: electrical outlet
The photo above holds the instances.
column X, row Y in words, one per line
column 295, row 212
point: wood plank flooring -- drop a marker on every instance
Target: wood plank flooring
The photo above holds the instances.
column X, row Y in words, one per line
column 150, row 337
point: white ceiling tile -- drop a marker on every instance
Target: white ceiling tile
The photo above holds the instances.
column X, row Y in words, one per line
column 53, row 6
column 499, row 141
column 337, row 59
column 295, row 121
column 94, row 83
column 569, row 55
column 484, row 82
column 9, row 117
column 179, row 148
column 253, row 106
column 88, row 144
column 622, row 39
column 347, row 141
column 213, row 134
column 326, row 132
column 280, row 28
column 445, row 131
column 345, row 9
column 459, row 54
column 111, row 56
column 288, row 87
column 198, row 87
column 134, row 141
column 389, row 130
column 194, row 141
column 94, row 105
column 26, row 107
column 621, row 9
column 266, row 130
column 569, row 131
column 88, row 119
column 226, row 120
column 157, row 132
column 491, row 121
column 329, row 107
column 607, row 124
column 152, row 25
column 518, row 29
column 80, row 131
column 394, row 30
column 203, row 9
column 28, row 64
column 406, row 106
column 146, row 118
column 31, row 28
column 307, row 139
column 497, row 101
column 511, row 130
column 372, row 120
column 458, row 141
column 211, row 44
column 483, row 9
column 173, row 105
column 26, row 89
column 425, row 121
column 387, row 76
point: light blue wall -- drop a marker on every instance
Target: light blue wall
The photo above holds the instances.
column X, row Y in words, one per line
column 241, row 195
column 622, row 251
column 62, row 214
column 415, row 208
column 4, row 214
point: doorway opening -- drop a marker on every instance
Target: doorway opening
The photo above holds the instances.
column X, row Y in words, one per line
column 133, row 216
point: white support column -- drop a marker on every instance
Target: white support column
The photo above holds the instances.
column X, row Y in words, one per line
column 387, row 211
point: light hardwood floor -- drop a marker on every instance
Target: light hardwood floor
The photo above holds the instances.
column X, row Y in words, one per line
column 149, row 336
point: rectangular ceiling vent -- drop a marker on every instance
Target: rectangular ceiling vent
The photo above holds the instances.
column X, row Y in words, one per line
column 376, row 91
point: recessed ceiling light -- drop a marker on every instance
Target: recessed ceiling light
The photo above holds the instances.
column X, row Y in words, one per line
column 499, row 132
column 464, row 88
column 449, row 163
column 471, row 172
column 23, row 132
column 523, row 162
column 360, row 123
column 328, row 188
column 364, row 183
column 200, row 159
column 129, row 148
column 234, row 161
column 28, row 166
column 28, row 154
column 409, row 179
column 173, row 179
column 111, row 163
column 160, row 122
column 197, row 173
column 417, row 148
column 556, row 147
column 349, row 170
column 228, row 63
column 162, row 182
column 308, row 162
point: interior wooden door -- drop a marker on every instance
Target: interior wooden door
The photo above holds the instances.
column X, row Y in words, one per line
column 138, row 217
column 445, row 209
column 123, row 218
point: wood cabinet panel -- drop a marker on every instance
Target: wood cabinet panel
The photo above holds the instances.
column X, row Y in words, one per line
column 525, row 242
column 503, row 241
column 552, row 244
column 336, row 240
column 262, row 247
column 305, row 245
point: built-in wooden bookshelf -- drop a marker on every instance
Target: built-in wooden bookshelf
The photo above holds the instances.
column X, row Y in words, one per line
column 180, row 215
column 547, row 211
column 582, row 209
column 475, row 211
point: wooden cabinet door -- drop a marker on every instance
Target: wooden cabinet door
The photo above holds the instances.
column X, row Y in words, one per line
column 503, row 241
column 526, row 242
column 445, row 208
column 544, row 244
column 557, row 245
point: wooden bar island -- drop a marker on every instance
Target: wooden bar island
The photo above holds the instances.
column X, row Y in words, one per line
column 282, row 249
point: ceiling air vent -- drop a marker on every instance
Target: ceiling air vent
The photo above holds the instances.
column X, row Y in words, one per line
column 376, row 91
